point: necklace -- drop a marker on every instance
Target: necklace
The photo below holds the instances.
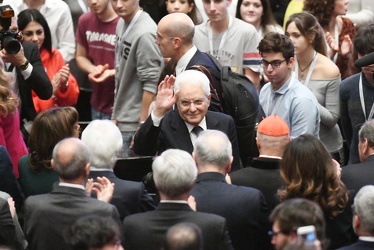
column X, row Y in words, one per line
column 303, row 69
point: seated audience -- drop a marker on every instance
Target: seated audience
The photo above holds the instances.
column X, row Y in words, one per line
column 93, row 232
column 169, row 127
column 213, row 157
column 308, row 171
column 263, row 172
column 174, row 174
column 49, row 127
column 319, row 74
column 363, row 223
column 355, row 176
column 10, row 135
column 47, row 216
column 292, row 214
column 356, row 90
column 183, row 236
column 103, row 139
column 65, row 88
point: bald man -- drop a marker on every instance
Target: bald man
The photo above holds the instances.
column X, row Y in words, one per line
column 48, row 215
column 175, row 33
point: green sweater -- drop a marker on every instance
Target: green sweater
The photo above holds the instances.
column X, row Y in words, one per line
column 35, row 183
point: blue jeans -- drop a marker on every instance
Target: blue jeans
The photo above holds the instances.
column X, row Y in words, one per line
column 97, row 115
column 126, row 151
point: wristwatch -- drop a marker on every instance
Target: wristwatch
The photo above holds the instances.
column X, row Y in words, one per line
column 24, row 66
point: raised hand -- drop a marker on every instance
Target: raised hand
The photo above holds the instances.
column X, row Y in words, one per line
column 346, row 47
column 104, row 189
column 166, row 97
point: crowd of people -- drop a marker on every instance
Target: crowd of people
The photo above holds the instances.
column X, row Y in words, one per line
column 142, row 62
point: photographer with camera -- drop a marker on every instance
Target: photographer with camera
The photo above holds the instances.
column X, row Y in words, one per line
column 22, row 59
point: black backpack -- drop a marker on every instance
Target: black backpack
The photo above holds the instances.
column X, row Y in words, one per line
column 239, row 99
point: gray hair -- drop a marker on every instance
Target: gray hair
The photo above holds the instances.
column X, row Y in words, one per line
column 192, row 77
column 70, row 157
column 174, row 172
column 364, row 207
column 104, row 140
column 367, row 132
column 213, row 147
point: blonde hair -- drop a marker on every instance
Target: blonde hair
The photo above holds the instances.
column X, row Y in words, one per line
column 8, row 101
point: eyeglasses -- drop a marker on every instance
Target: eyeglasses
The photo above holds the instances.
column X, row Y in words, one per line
column 187, row 103
column 274, row 64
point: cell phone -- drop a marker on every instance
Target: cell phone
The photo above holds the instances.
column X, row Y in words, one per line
column 307, row 234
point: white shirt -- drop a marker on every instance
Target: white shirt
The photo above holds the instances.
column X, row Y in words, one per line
column 58, row 16
column 184, row 60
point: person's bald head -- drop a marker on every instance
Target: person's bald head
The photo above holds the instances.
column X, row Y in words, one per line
column 178, row 28
column 70, row 159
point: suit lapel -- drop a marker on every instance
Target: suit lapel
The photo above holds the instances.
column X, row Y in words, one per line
column 180, row 133
column 211, row 121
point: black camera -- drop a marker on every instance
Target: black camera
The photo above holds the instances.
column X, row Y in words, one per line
column 9, row 39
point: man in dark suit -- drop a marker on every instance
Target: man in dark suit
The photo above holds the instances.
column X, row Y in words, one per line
column 174, row 174
column 363, row 219
column 169, row 127
column 263, row 172
column 104, row 140
column 48, row 215
column 244, row 208
column 355, row 176
column 183, row 53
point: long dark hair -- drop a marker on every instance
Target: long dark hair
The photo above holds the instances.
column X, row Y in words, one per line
column 29, row 15
column 308, row 171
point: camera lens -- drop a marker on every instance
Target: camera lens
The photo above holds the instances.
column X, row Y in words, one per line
column 11, row 45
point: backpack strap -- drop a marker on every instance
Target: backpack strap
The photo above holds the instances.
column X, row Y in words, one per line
column 205, row 71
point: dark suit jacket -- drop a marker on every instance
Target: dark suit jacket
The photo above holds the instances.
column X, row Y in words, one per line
column 339, row 229
column 7, row 228
column 262, row 174
column 48, row 215
column 173, row 133
column 8, row 182
column 356, row 176
column 244, row 208
column 359, row 245
column 129, row 197
column 38, row 81
column 147, row 230
column 202, row 59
